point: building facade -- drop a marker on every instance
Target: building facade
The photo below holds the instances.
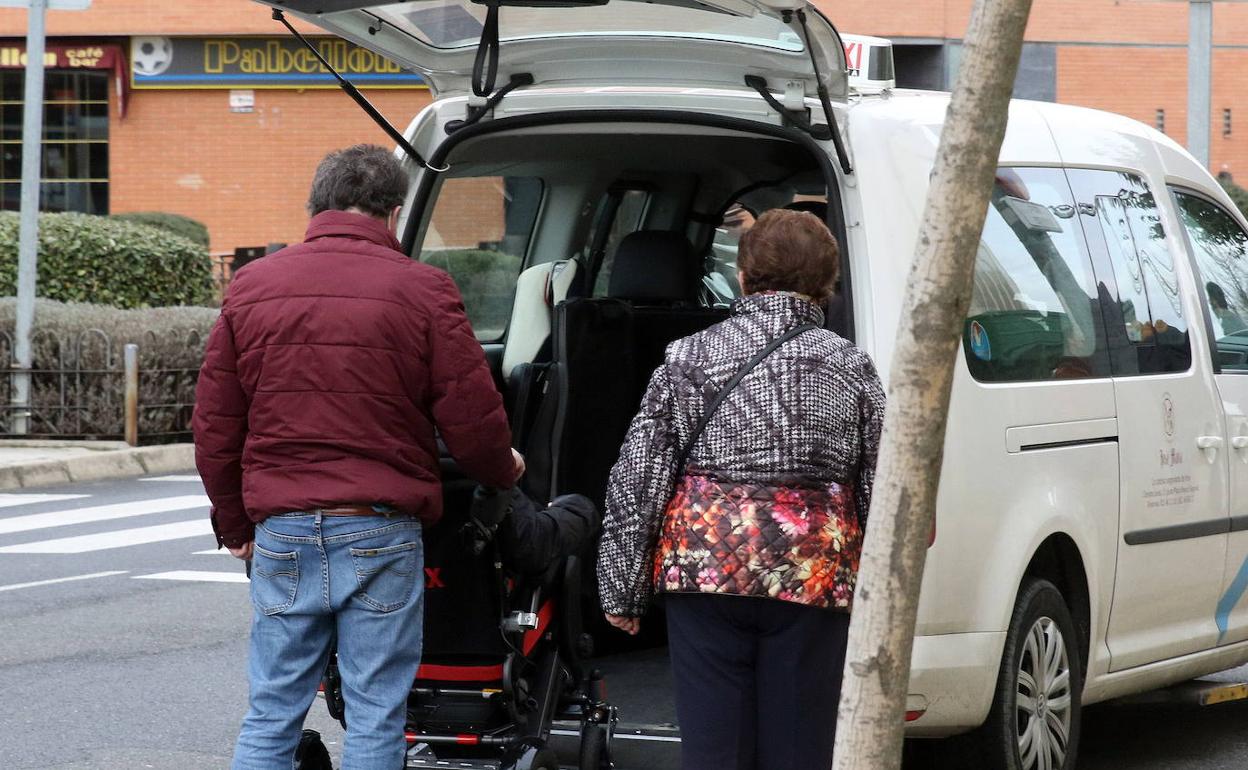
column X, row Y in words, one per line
column 211, row 110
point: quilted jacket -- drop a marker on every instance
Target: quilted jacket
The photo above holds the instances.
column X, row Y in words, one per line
column 326, row 375
column 775, row 495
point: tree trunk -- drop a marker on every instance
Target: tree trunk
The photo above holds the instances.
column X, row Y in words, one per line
column 938, row 292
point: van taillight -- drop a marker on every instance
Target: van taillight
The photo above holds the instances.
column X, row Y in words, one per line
column 913, row 716
column 931, row 538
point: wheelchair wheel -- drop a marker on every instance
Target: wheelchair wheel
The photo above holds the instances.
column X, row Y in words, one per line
column 312, row 754
column 594, row 751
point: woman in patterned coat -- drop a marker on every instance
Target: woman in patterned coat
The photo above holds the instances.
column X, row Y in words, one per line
column 755, row 542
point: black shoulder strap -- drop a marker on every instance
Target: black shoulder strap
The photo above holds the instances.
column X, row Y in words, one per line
column 750, row 365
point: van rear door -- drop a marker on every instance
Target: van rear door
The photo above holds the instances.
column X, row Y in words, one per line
column 684, row 43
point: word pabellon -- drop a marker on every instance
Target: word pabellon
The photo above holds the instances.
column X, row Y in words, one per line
column 273, row 58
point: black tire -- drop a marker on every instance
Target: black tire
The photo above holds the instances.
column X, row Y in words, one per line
column 311, row 753
column 1041, row 632
column 594, row 748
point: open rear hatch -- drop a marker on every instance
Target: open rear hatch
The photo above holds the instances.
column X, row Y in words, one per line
column 595, row 43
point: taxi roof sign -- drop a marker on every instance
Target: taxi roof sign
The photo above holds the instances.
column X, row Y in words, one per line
column 870, row 62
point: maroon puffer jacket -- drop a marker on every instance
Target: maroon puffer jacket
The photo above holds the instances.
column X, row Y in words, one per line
column 325, row 377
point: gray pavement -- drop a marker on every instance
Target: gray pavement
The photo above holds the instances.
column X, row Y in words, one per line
column 123, row 645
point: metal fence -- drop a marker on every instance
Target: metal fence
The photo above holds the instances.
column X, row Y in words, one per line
column 78, row 387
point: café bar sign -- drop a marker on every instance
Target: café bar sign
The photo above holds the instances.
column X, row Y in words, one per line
column 258, row 62
column 13, row 56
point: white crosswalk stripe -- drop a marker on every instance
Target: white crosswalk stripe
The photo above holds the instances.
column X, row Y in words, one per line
column 9, row 501
column 70, row 579
column 199, row 576
column 101, row 541
column 100, row 513
column 187, row 478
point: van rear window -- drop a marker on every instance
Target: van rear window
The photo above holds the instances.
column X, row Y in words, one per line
column 1035, row 308
column 479, row 233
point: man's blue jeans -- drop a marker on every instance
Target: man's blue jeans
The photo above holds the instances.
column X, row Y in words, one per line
column 314, row 579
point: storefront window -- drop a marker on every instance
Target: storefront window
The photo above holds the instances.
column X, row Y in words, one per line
column 75, row 141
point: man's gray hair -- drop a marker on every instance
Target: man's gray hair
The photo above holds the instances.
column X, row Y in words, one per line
column 365, row 177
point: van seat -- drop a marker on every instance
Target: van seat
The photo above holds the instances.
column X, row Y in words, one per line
column 538, row 290
column 605, row 350
column 654, row 267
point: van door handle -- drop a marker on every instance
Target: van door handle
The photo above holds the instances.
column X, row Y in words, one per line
column 1210, row 446
column 1241, row 443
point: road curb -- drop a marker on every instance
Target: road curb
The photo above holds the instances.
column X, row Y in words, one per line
column 99, row 466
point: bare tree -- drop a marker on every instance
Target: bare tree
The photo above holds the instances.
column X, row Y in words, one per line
column 938, row 291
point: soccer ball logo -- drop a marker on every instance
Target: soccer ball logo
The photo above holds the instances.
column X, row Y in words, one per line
column 151, row 55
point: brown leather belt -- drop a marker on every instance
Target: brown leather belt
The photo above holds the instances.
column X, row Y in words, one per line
column 354, row 510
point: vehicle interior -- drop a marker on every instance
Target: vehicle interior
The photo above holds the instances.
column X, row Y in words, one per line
column 582, row 251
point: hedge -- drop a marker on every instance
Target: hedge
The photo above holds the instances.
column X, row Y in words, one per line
column 107, row 261
column 1238, row 194
column 487, row 281
column 190, row 229
column 87, row 342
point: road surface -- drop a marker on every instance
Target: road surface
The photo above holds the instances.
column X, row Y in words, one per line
column 123, row 643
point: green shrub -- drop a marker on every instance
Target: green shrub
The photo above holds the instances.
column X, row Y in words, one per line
column 78, row 383
column 1238, row 194
column 106, row 261
column 190, row 229
column 487, row 280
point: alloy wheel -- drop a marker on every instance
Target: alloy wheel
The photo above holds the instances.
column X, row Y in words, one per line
column 1043, row 698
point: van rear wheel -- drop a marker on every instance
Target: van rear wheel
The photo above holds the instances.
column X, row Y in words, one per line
column 1034, row 721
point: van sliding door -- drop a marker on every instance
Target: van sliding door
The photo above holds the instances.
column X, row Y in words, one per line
column 1219, row 249
column 1172, row 515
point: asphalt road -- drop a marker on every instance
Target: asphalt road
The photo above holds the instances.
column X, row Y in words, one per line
column 123, row 644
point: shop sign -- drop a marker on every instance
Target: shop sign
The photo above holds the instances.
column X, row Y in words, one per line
column 258, row 62
column 243, row 101
column 96, row 57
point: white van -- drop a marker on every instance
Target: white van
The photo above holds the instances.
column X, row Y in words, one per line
column 1091, row 537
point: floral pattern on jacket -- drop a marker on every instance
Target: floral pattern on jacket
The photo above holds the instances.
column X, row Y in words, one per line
column 799, row 545
column 807, row 418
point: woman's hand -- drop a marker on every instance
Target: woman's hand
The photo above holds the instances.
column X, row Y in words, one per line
column 629, row 626
column 517, row 460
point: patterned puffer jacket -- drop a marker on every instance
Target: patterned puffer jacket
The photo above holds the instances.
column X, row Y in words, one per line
column 773, row 501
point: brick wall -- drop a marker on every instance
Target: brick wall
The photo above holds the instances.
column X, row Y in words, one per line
column 469, row 213
column 245, row 176
column 152, row 17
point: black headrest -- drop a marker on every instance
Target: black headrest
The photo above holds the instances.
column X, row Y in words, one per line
column 818, row 208
column 653, row 266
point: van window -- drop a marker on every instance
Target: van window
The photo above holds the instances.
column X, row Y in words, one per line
column 479, row 233
column 1148, row 333
column 1220, row 247
column 720, row 284
column 1035, row 311
column 621, row 213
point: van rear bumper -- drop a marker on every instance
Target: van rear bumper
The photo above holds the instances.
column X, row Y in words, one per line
column 952, row 680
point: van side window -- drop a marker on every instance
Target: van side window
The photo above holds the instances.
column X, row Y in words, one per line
column 1035, row 307
column 627, row 217
column 1220, row 247
column 479, row 233
column 1147, row 330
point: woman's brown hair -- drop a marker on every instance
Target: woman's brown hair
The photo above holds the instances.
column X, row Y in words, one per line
column 789, row 251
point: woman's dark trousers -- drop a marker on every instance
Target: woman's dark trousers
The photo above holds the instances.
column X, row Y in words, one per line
column 757, row 681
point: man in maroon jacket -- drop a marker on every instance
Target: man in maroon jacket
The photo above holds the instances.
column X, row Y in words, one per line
column 330, row 370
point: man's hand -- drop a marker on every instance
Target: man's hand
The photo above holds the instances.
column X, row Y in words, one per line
column 243, row 551
column 629, row 626
column 518, row 459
